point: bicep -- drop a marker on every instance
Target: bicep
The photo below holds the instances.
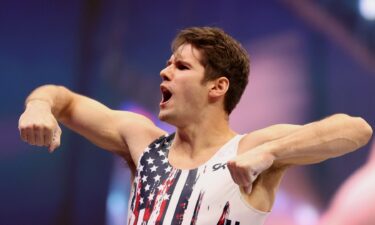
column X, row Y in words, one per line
column 106, row 128
column 267, row 134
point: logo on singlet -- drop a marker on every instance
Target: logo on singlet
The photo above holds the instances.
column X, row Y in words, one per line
column 218, row 166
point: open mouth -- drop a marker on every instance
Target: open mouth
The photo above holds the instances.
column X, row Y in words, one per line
column 166, row 94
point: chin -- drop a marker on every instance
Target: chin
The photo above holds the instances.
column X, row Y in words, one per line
column 167, row 118
column 163, row 116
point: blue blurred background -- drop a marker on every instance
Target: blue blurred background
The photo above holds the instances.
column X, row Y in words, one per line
column 313, row 58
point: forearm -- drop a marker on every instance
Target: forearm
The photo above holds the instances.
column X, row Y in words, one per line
column 54, row 98
column 315, row 142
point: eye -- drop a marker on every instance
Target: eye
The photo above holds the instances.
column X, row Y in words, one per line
column 181, row 66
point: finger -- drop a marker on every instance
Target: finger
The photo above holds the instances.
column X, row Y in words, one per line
column 39, row 136
column 242, row 180
column 253, row 175
column 23, row 134
column 239, row 174
column 54, row 144
column 55, row 140
column 22, row 130
column 231, row 168
column 47, row 137
column 245, row 181
column 27, row 138
column 248, row 189
column 243, row 176
column 30, row 136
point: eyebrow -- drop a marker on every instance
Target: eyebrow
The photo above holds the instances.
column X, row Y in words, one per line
column 184, row 62
column 178, row 60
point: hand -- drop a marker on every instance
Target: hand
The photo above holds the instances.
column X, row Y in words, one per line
column 245, row 168
column 38, row 126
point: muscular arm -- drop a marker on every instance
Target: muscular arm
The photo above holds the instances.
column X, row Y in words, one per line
column 328, row 138
column 121, row 132
column 265, row 154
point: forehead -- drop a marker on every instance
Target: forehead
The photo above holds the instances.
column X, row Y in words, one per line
column 187, row 52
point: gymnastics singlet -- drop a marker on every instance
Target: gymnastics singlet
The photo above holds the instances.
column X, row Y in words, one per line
column 206, row 195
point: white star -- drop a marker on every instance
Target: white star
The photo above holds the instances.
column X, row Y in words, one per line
column 153, row 168
column 157, row 178
column 141, row 200
column 144, row 178
column 168, row 169
column 147, row 187
column 147, row 149
column 141, row 168
column 166, row 197
column 160, row 152
column 151, row 196
column 157, row 145
column 160, row 187
column 165, row 160
column 150, row 160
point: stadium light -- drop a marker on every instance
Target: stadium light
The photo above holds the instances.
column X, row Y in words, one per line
column 367, row 9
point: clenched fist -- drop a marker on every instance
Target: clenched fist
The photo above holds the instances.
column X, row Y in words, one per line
column 38, row 126
column 246, row 167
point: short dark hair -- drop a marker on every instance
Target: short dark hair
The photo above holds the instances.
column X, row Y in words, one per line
column 222, row 55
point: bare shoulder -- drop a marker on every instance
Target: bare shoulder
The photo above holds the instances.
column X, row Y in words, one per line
column 137, row 131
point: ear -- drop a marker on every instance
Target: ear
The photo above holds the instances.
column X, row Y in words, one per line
column 218, row 87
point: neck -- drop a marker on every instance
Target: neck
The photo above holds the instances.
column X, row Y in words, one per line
column 209, row 133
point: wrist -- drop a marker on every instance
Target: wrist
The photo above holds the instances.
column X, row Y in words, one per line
column 271, row 150
column 38, row 102
column 281, row 152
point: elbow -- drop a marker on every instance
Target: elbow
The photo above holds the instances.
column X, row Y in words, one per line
column 366, row 130
column 362, row 129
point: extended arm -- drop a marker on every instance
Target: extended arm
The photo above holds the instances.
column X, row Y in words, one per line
column 285, row 145
column 124, row 133
column 264, row 155
column 328, row 138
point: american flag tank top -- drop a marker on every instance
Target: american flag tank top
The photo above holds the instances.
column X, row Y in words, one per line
column 206, row 195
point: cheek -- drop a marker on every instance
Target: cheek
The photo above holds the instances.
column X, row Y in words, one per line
column 194, row 95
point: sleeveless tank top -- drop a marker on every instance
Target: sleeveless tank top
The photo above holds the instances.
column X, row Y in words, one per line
column 206, row 195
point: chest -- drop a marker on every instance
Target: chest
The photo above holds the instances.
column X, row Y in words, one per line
column 174, row 196
column 162, row 194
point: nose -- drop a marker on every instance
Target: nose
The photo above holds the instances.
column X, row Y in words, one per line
column 165, row 74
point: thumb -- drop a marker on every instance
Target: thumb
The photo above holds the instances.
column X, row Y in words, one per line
column 55, row 143
column 247, row 189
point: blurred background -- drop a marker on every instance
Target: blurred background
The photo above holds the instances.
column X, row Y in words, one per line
column 309, row 59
